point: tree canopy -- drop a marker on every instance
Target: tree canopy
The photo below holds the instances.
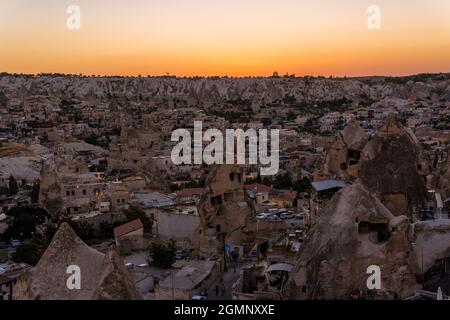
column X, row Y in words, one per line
column 163, row 254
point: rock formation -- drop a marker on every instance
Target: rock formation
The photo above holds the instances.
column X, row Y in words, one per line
column 431, row 243
column 353, row 232
column 343, row 157
column 50, row 189
column 225, row 210
column 207, row 92
column 390, row 167
column 369, row 222
column 102, row 276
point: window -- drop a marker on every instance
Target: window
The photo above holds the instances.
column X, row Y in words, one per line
column 67, row 193
column 354, row 156
column 379, row 230
column 218, row 228
column 84, row 192
column 217, row 200
column 73, row 192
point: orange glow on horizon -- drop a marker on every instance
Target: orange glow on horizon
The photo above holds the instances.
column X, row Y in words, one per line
column 218, row 38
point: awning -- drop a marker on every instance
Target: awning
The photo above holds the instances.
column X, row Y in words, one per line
column 328, row 185
column 281, row 267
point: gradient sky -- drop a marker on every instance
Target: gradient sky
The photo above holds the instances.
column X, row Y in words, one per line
column 225, row 37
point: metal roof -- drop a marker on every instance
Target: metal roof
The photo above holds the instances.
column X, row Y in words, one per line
column 328, row 184
column 281, row 267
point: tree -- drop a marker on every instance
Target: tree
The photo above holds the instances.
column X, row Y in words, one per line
column 34, row 194
column 24, row 222
column 134, row 212
column 83, row 229
column 163, row 255
column 29, row 253
column 105, row 230
column 303, row 185
column 13, row 187
column 282, row 181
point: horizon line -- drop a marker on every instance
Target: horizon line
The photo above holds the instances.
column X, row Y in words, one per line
column 286, row 75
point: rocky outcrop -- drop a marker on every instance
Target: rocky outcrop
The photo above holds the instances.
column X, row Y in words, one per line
column 390, row 167
column 225, row 210
column 431, row 243
column 206, row 92
column 50, row 189
column 102, row 276
column 343, row 157
column 353, row 232
column 354, row 137
column 115, row 282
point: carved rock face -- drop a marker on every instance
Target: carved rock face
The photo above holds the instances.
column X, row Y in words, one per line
column 50, row 190
column 354, row 136
column 353, row 232
column 225, row 209
column 343, row 158
column 389, row 167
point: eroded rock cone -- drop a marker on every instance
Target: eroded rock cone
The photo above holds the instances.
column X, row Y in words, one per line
column 48, row 280
column 50, row 189
column 225, row 210
column 354, row 232
column 389, row 167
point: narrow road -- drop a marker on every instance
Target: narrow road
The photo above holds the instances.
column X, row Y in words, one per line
column 229, row 278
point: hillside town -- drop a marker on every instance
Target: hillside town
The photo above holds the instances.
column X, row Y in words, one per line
column 87, row 180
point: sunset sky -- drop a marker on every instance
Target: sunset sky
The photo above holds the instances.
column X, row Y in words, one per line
column 225, row 37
